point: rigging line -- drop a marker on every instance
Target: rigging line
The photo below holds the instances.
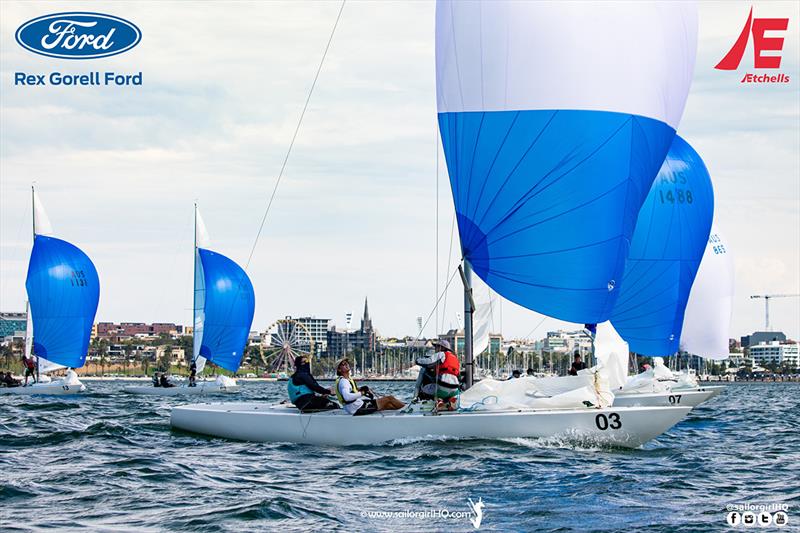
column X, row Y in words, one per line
column 286, row 158
column 436, row 231
column 294, row 136
column 449, row 258
column 528, row 336
column 444, row 292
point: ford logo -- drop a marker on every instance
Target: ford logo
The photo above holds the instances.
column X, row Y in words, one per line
column 78, row 35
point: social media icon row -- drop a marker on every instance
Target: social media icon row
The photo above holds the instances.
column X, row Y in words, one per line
column 763, row 519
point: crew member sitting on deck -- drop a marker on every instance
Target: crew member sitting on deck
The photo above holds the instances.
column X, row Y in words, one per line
column 439, row 376
column 164, row 382
column 360, row 400
column 578, row 364
column 9, row 381
column 302, row 388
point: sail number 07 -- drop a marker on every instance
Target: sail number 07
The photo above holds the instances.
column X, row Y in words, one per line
column 612, row 421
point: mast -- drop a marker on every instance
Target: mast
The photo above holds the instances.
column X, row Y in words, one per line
column 27, row 304
column 469, row 308
column 194, row 284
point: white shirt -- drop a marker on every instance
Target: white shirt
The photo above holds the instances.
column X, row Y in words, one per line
column 350, row 395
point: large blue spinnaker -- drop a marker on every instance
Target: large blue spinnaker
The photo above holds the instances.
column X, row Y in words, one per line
column 63, row 290
column 668, row 245
column 546, row 201
column 228, row 309
column 553, row 141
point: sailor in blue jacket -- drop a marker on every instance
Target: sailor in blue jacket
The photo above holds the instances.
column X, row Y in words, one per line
column 304, row 391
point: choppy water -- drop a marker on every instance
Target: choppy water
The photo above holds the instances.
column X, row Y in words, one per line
column 109, row 461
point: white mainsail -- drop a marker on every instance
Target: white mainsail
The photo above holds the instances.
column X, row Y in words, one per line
column 201, row 240
column 483, row 316
column 41, row 226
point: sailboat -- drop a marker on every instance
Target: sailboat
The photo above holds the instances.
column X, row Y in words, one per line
column 63, row 293
column 551, row 153
column 224, row 304
column 705, row 333
column 668, row 245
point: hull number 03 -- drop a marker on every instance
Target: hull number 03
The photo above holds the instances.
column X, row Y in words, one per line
column 612, row 421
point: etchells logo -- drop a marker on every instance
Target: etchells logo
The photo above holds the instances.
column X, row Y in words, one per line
column 771, row 42
column 78, row 35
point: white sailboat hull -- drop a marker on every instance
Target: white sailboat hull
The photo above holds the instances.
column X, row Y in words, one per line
column 684, row 397
column 261, row 422
column 202, row 388
column 55, row 388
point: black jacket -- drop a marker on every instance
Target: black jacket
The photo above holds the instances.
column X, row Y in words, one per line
column 573, row 371
column 302, row 376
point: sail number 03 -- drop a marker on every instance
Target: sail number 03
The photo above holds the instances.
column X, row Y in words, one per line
column 612, row 421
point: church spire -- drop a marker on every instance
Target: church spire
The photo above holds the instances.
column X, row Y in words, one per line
column 366, row 323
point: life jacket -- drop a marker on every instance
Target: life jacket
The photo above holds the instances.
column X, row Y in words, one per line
column 30, row 363
column 296, row 391
column 339, row 394
column 450, row 364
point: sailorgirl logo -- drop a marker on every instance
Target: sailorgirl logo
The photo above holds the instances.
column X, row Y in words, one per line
column 761, row 43
column 78, row 35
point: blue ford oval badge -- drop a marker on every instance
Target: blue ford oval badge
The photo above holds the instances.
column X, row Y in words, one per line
column 78, row 35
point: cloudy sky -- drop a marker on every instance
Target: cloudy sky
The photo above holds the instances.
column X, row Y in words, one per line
column 119, row 168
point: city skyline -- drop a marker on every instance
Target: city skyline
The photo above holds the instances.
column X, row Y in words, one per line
column 355, row 212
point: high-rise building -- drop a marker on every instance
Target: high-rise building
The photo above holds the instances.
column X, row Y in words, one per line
column 777, row 353
column 12, row 325
column 762, row 336
column 342, row 342
column 318, row 329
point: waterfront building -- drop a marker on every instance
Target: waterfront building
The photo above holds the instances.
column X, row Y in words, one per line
column 123, row 330
column 782, row 354
column 12, row 326
column 759, row 337
column 342, row 342
column 318, row 329
column 456, row 339
column 739, row 359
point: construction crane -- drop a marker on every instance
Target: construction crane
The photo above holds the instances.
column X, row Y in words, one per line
column 767, row 298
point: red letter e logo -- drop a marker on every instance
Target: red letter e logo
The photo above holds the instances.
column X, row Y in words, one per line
column 760, row 44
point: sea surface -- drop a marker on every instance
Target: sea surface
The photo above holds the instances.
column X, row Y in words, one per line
column 108, row 461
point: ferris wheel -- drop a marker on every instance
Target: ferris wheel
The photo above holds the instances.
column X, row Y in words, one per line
column 284, row 340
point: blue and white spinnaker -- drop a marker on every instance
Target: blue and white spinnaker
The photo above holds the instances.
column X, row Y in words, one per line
column 224, row 306
column 555, row 119
column 671, row 235
column 63, row 292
